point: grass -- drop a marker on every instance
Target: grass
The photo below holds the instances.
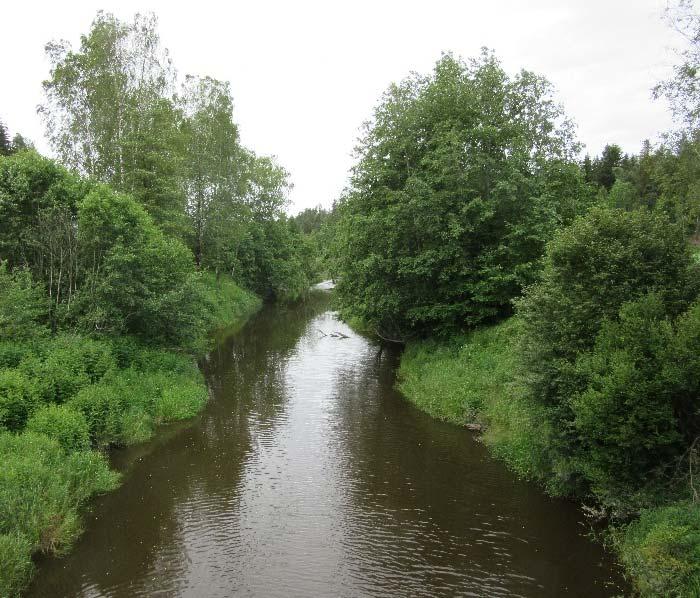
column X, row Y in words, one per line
column 229, row 305
column 473, row 379
column 477, row 378
column 64, row 399
column 661, row 550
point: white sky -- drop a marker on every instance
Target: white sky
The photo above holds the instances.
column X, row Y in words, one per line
column 305, row 75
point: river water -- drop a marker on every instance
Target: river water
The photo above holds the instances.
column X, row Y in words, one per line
column 308, row 475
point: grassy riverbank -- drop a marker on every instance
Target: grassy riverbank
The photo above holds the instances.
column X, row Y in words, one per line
column 64, row 400
column 477, row 378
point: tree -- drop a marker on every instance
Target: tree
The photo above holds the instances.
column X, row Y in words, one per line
column 5, row 145
column 462, row 176
column 215, row 182
column 108, row 111
column 137, row 280
column 601, row 171
column 682, row 90
column 32, row 187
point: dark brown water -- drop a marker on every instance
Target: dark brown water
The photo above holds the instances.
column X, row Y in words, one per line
column 307, row 475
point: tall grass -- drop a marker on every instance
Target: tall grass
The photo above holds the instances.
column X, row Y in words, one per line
column 474, row 379
column 64, row 396
column 477, row 378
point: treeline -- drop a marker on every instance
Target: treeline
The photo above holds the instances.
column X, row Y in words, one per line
column 552, row 301
column 154, row 227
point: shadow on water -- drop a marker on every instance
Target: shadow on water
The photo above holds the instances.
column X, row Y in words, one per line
column 307, row 475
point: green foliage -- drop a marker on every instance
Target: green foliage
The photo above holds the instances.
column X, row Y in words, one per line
column 661, row 551
column 41, row 492
column 103, row 409
column 591, row 268
column 23, row 306
column 18, row 399
column 155, row 387
column 477, row 378
column 271, row 261
column 463, row 175
column 63, row 424
column 227, row 303
column 16, row 566
column 625, row 419
column 5, row 145
column 30, row 183
column 12, row 353
column 66, row 364
column 601, row 171
column 139, row 280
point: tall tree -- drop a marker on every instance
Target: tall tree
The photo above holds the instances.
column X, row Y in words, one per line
column 107, row 107
column 682, row 89
column 5, row 145
column 214, row 161
column 462, row 175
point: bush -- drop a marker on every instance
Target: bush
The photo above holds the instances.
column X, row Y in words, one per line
column 179, row 400
column 12, row 353
column 661, row 551
column 625, row 419
column 18, row 399
column 23, row 305
column 64, row 424
column 67, row 364
column 126, row 406
column 103, row 408
column 228, row 304
column 601, row 261
column 144, row 283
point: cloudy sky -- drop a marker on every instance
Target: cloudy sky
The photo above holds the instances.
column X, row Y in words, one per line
column 305, row 75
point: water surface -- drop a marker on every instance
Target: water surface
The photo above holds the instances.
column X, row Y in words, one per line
column 308, row 475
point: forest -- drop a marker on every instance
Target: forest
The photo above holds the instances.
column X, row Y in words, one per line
column 549, row 300
column 153, row 227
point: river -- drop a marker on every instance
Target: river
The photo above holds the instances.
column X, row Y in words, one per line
column 308, row 475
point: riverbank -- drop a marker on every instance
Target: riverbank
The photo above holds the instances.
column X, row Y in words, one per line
column 65, row 400
column 476, row 380
column 307, row 474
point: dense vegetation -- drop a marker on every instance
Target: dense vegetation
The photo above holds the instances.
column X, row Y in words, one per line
column 154, row 228
column 554, row 303
column 462, row 177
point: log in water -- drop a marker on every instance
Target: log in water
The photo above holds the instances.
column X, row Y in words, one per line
column 308, row 475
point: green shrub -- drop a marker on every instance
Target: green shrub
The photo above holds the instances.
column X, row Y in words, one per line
column 127, row 404
column 67, row 364
column 62, row 423
column 16, row 565
column 591, row 268
column 661, row 551
column 103, row 410
column 227, row 303
column 18, row 399
column 23, row 305
column 12, row 353
column 178, row 400
column 625, row 418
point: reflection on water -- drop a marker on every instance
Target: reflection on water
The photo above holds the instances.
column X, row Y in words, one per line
column 307, row 475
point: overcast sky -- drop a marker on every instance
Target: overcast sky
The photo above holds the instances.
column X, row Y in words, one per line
column 305, row 75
